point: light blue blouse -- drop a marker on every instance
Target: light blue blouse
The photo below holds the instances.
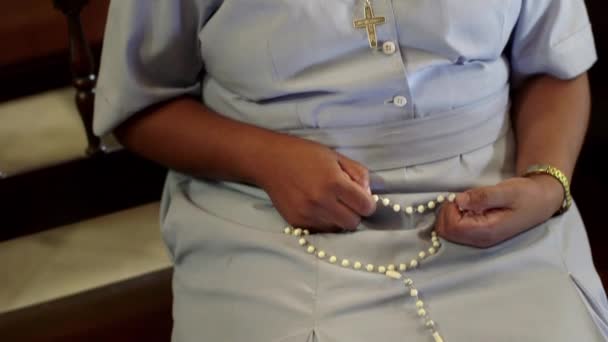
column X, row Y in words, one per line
column 443, row 67
column 435, row 92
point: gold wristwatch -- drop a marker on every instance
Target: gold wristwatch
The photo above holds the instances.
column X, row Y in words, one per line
column 559, row 176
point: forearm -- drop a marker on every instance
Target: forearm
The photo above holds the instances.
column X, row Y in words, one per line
column 184, row 135
column 326, row 190
column 550, row 118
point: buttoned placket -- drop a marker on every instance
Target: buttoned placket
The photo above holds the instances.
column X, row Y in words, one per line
column 390, row 49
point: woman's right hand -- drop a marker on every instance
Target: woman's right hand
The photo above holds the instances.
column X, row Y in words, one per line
column 313, row 186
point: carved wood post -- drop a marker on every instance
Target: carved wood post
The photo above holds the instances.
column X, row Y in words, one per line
column 83, row 67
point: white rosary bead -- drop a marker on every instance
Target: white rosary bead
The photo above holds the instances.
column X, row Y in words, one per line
column 451, row 197
column 414, row 293
column 386, row 202
column 437, row 337
column 421, row 312
column 390, row 267
column 302, row 241
column 422, row 255
column 396, row 208
column 414, row 263
column 431, row 205
column 430, row 324
column 369, row 268
column 333, row 259
column 311, row 249
column 421, row 209
column 345, row 263
column 440, row 198
column 321, row 254
column 419, row 304
column 357, row 265
column 306, row 232
column 381, row 269
column 393, row 274
column 297, row 232
column 409, row 210
column 432, row 250
column 408, row 282
column 376, row 198
column 402, row 267
column 434, row 233
column 436, row 244
column 287, row 230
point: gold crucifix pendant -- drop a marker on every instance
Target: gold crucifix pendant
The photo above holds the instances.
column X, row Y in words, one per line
column 369, row 23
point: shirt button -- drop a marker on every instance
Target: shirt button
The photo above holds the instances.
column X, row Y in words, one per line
column 389, row 48
column 400, row 101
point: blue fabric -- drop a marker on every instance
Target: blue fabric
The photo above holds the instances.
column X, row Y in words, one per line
column 300, row 67
column 290, row 65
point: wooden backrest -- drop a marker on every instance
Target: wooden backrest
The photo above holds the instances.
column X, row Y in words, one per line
column 82, row 65
column 69, row 191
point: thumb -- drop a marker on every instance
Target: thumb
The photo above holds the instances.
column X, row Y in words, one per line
column 357, row 172
column 485, row 198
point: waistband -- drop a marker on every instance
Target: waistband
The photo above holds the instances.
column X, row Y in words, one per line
column 418, row 141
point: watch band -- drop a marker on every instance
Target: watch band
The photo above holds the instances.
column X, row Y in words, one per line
column 559, row 176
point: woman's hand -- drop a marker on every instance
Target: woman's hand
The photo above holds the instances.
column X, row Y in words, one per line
column 310, row 185
column 484, row 217
column 314, row 187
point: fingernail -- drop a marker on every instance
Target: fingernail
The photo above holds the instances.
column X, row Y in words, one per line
column 462, row 200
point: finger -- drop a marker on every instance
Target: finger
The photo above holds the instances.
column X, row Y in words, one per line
column 321, row 221
column 454, row 226
column 325, row 228
column 440, row 222
column 489, row 229
column 339, row 215
column 355, row 198
column 448, row 217
column 357, row 172
column 478, row 230
column 481, row 199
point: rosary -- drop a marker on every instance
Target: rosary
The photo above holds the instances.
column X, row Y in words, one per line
column 392, row 271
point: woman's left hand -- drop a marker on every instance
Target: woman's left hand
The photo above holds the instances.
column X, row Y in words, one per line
column 483, row 217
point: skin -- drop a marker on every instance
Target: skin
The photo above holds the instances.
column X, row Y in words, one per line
column 310, row 185
column 314, row 187
column 551, row 118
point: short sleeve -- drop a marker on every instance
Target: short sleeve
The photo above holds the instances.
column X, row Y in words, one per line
column 150, row 54
column 552, row 37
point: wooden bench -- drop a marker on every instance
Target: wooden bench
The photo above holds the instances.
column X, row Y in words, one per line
column 60, row 192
